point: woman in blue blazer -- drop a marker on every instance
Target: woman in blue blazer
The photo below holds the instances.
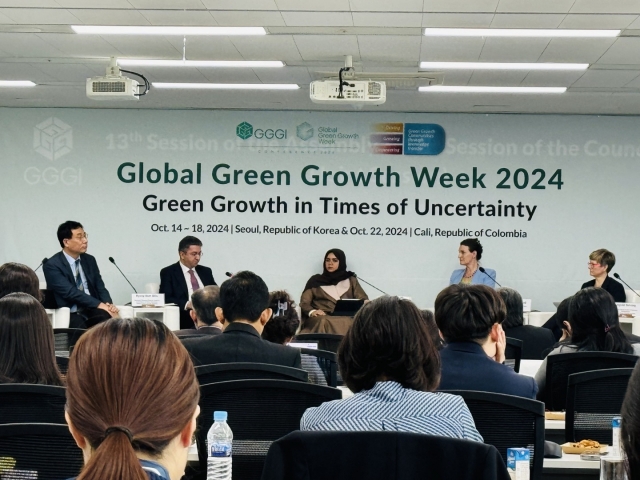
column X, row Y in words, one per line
column 469, row 254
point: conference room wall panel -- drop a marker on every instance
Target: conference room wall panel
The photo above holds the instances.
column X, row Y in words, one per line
column 540, row 192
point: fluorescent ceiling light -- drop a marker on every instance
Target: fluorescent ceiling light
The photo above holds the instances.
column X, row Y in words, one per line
column 229, row 86
column 17, row 83
column 461, row 89
column 517, row 32
column 125, row 62
column 502, row 66
column 149, row 30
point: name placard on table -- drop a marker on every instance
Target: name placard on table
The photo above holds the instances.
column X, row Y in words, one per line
column 147, row 300
column 526, row 304
column 628, row 311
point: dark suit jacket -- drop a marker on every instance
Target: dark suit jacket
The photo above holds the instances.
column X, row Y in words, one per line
column 200, row 332
column 535, row 340
column 60, row 279
column 465, row 366
column 615, row 288
column 174, row 286
column 240, row 342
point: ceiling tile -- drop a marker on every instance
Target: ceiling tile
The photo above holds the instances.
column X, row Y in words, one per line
column 521, row 20
column 513, row 49
column 371, row 19
column 394, row 48
column 235, row 18
column 604, row 22
column 178, row 75
column 457, row 20
column 30, row 3
column 624, row 51
column 240, row 4
column 477, row 6
column 327, row 47
column 4, row 20
column 167, row 4
column 299, row 75
column 386, row 6
column 497, row 78
column 40, row 16
column 635, row 24
column 576, row 50
column 326, row 5
column 230, row 75
column 179, row 17
column 206, row 48
column 24, row 71
column 318, row 19
column 95, row 4
column 451, row 49
column 27, row 45
column 598, row 6
column 539, row 78
column 77, row 46
column 269, row 47
column 68, row 72
column 635, row 83
column 144, row 46
column 109, row 17
column 606, row 78
column 538, row 6
column 457, row 77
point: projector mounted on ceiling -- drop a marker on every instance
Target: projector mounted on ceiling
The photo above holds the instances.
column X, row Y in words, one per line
column 114, row 85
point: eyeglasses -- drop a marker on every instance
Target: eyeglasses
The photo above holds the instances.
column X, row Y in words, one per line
column 81, row 236
column 593, row 265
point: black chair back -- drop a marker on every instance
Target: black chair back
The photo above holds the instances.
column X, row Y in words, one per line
column 328, row 362
column 41, row 451
column 326, row 341
column 560, row 366
column 48, row 299
column 593, row 399
column 224, row 372
column 27, row 403
column 259, row 412
column 63, row 364
column 513, row 353
column 66, row 338
column 380, row 456
column 507, row 421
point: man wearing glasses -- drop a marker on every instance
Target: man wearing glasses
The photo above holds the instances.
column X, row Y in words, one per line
column 74, row 277
column 180, row 280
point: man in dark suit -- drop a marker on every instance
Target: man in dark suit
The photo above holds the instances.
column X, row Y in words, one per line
column 74, row 277
column 470, row 317
column 180, row 280
column 244, row 299
column 205, row 310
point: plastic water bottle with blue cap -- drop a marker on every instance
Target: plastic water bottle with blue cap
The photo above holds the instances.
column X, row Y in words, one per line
column 219, row 445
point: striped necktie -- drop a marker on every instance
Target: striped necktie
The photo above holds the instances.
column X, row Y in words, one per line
column 79, row 277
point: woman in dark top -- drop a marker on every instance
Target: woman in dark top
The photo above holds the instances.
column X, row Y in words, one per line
column 630, row 432
column 535, row 340
column 132, row 401
column 600, row 264
column 27, row 346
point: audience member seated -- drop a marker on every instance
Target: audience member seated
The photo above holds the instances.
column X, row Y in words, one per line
column 244, row 300
column 27, row 346
column 593, row 326
column 132, row 401
column 390, row 362
column 535, row 340
column 430, row 319
column 16, row 277
column 204, row 311
column 470, row 318
column 630, row 431
column 557, row 321
column 283, row 326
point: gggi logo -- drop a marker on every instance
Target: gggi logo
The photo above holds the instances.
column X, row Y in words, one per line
column 52, row 138
column 245, row 130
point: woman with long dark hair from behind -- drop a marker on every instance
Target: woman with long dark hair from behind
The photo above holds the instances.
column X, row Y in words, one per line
column 16, row 277
column 630, row 430
column 132, row 401
column 593, row 319
column 27, row 346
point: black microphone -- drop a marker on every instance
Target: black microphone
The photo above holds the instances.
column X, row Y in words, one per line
column 228, row 274
column 618, row 277
column 44, row 260
column 360, row 278
column 125, row 277
column 482, row 270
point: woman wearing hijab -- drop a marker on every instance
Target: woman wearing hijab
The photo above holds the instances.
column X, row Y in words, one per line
column 322, row 292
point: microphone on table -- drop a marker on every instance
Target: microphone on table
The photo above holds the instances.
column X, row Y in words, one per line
column 618, row 277
column 483, row 271
column 360, row 278
column 125, row 277
column 44, row 260
column 228, row 274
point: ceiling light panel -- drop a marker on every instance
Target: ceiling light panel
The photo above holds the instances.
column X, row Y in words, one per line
column 150, row 30
column 518, row 32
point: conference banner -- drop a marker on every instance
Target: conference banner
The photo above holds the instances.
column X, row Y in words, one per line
column 271, row 191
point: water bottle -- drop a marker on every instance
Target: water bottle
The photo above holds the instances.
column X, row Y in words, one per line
column 219, row 442
column 615, row 444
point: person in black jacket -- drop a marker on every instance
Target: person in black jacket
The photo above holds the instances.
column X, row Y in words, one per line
column 180, row 280
column 600, row 264
column 535, row 340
